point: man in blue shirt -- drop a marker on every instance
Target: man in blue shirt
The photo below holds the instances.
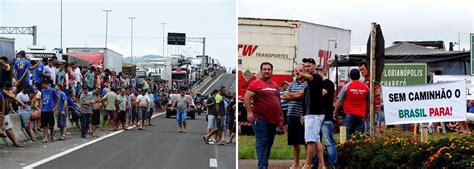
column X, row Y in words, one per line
column 21, row 73
column 61, row 114
column 48, row 108
column 39, row 71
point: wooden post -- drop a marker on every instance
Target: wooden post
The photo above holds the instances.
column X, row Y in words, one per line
column 373, row 33
column 424, row 135
column 342, row 134
column 415, row 130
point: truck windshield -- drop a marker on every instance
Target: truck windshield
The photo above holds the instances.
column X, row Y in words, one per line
column 178, row 76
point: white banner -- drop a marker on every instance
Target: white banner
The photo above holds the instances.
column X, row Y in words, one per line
column 425, row 103
column 452, row 78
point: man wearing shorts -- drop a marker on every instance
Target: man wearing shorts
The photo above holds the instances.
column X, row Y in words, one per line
column 142, row 101
column 25, row 111
column 294, row 95
column 211, row 117
column 212, row 125
column 96, row 106
column 61, row 116
column 151, row 105
column 122, row 105
column 48, row 107
column 182, row 104
column 6, row 99
column 111, row 99
column 313, row 114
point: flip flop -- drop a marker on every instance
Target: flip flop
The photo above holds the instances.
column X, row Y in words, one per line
column 3, row 135
column 20, row 145
column 45, row 141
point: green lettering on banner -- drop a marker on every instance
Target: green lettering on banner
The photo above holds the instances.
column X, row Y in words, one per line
column 403, row 74
column 411, row 113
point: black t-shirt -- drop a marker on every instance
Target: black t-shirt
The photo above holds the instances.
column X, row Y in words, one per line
column 328, row 85
column 314, row 96
column 5, row 74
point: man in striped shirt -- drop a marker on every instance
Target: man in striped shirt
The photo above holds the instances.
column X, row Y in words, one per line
column 294, row 95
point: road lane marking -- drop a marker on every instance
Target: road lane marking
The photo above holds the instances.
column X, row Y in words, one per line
column 213, row 162
column 38, row 163
column 213, row 83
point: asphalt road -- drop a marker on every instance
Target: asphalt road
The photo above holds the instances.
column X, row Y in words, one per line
column 159, row 146
column 227, row 80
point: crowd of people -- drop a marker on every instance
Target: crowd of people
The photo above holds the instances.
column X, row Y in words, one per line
column 89, row 96
column 304, row 110
column 221, row 108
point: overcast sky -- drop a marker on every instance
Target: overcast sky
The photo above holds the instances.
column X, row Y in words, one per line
column 400, row 19
column 84, row 24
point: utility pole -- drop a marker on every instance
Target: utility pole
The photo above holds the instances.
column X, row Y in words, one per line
column 164, row 38
column 61, row 25
column 131, row 38
column 106, row 23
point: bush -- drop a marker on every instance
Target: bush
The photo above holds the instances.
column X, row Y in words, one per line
column 403, row 151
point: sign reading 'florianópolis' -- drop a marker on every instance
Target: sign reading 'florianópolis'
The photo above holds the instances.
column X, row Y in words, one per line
column 425, row 103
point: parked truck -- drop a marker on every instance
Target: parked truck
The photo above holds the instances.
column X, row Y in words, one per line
column 284, row 43
column 7, row 48
column 100, row 57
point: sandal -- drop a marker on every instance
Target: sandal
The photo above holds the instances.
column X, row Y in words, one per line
column 45, row 141
column 205, row 140
column 19, row 145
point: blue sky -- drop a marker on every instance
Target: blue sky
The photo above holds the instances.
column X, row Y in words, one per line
column 84, row 25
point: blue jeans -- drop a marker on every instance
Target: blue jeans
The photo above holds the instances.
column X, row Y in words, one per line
column 353, row 123
column 78, row 89
column 327, row 130
column 85, row 120
column 264, row 136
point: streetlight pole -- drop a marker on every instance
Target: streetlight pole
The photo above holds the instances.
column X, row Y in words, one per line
column 131, row 38
column 106, row 23
column 163, row 39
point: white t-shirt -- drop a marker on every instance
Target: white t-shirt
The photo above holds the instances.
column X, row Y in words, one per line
column 23, row 98
column 142, row 101
column 51, row 71
column 78, row 75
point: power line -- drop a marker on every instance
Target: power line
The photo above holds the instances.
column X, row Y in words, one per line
column 127, row 37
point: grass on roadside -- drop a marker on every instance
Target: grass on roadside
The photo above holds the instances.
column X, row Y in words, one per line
column 281, row 150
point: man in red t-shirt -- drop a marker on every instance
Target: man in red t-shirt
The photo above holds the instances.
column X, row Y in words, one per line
column 265, row 113
column 354, row 96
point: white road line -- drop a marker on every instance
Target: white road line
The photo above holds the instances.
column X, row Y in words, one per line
column 213, row 83
column 38, row 163
column 213, row 162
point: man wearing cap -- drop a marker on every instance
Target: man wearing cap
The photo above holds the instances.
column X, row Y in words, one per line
column 265, row 112
column 354, row 97
column 327, row 128
column 313, row 112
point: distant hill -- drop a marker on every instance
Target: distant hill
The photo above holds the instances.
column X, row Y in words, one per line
column 140, row 59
